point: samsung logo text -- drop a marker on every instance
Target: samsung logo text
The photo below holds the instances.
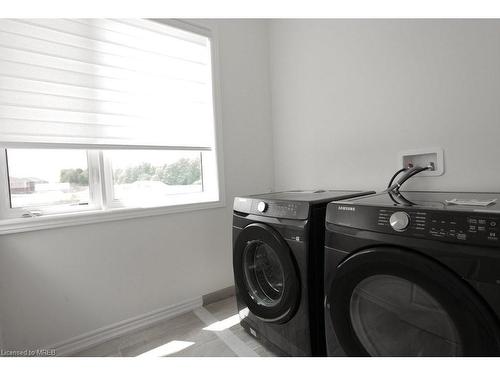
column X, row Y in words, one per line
column 346, row 208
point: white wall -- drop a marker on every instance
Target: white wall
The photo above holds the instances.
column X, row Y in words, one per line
column 347, row 95
column 56, row 284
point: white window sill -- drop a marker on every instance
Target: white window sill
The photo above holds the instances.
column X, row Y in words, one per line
column 9, row 226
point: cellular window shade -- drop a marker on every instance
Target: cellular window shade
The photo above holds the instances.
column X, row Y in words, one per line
column 104, row 83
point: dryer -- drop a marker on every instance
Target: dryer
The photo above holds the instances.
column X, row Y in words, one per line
column 413, row 274
column 278, row 242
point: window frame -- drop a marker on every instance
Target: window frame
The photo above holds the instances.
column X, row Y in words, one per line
column 8, row 212
column 103, row 209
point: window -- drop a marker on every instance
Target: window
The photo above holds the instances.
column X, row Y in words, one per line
column 145, row 178
column 155, row 176
column 103, row 115
column 47, row 177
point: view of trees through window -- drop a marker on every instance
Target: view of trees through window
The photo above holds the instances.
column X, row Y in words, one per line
column 75, row 176
column 182, row 172
column 46, row 177
column 151, row 176
column 42, row 177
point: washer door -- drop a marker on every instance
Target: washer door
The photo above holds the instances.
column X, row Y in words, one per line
column 394, row 302
column 265, row 273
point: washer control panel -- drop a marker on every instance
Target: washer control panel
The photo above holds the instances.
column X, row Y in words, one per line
column 272, row 208
column 279, row 209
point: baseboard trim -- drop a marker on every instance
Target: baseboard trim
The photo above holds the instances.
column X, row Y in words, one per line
column 218, row 295
column 98, row 336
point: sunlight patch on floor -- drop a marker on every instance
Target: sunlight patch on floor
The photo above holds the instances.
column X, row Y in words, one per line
column 167, row 349
column 221, row 325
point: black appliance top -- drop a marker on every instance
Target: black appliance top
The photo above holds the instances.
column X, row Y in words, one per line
column 459, row 217
column 452, row 201
column 290, row 204
column 311, row 196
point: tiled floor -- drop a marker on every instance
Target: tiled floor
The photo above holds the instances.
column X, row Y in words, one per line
column 210, row 331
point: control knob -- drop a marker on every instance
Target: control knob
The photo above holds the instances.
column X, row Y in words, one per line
column 399, row 221
column 262, row 206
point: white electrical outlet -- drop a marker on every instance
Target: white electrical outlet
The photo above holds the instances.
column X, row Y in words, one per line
column 422, row 158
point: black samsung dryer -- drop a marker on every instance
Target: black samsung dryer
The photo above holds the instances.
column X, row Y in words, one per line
column 413, row 274
column 278, row 243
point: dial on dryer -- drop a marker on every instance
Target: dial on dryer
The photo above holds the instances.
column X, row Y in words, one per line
column 399, row 221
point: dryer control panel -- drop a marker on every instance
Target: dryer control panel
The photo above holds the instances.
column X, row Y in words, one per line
column 458, row 226
column 471, row 227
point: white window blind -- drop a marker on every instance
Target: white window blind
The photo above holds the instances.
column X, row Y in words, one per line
column 103, row 83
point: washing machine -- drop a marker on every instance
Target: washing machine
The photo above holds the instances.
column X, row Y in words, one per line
column 413, row 274
column 278, row 243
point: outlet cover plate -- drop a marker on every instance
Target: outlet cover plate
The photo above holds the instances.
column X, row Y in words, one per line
column 422, row 157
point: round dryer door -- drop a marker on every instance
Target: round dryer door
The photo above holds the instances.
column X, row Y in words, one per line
column 265, row 273
column 394, row 302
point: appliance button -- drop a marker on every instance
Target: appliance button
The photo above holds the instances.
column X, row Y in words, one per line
column 493, row 223
column 399, row 221
column 262, row 207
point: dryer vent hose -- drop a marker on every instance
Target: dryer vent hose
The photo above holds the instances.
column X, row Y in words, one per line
column 408, row 173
